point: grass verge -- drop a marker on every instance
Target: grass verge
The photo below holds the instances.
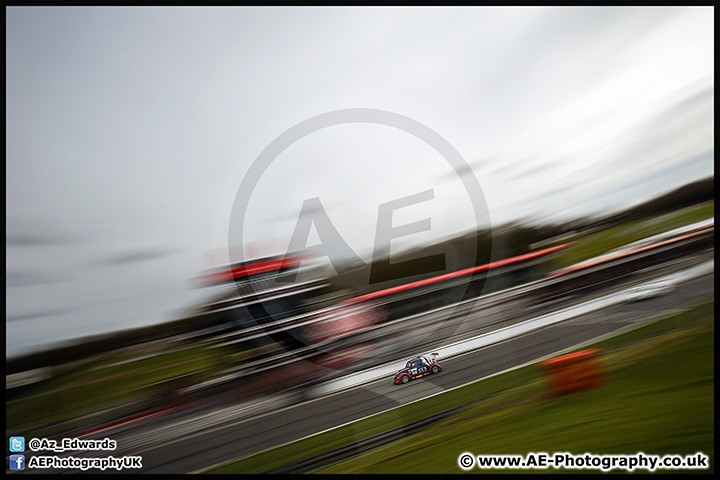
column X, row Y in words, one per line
column 88, row 387
column 595, row 244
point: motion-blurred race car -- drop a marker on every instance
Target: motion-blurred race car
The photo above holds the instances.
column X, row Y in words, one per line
column 416, row 368
column 649, row 290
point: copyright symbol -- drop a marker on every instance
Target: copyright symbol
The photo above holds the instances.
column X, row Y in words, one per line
column 34, row 444
column 466, row 461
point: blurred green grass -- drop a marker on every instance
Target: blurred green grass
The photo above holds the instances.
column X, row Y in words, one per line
column 591, row 245
column 659, row 400
column 83, row 388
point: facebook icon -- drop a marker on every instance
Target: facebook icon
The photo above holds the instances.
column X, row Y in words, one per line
column 17, row 462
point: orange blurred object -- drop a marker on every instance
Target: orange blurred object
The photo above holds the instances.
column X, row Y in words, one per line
column 575, row 372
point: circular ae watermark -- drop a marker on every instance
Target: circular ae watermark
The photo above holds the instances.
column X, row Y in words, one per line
column 382, row 270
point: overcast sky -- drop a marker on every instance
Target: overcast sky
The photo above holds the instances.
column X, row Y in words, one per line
column 130, row 130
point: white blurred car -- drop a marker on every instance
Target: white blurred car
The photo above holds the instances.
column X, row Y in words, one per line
column 649, row 290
